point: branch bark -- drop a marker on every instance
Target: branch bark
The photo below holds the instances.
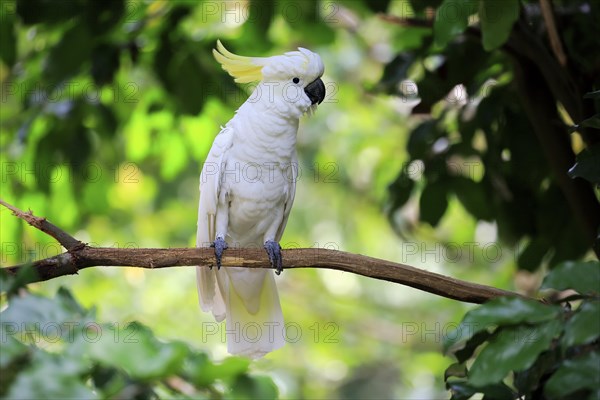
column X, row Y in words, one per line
column 83, row 256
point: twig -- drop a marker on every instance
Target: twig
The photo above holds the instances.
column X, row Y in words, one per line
column 406, row 22
column 66, row 240
column 84, row 256
column 555, row 42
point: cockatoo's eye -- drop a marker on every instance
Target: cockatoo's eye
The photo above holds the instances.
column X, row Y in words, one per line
column 296, row 80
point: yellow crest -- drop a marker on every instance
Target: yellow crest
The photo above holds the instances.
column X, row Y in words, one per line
column 243, row 69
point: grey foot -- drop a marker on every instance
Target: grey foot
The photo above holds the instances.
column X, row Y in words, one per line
column 274, row 251
column 220, row 245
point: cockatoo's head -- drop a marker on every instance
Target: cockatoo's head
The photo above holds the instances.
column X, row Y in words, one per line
column 294, row 77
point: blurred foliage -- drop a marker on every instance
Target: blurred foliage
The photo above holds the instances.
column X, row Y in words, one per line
column 446, row 136
column 43, row 340
column 484, row 143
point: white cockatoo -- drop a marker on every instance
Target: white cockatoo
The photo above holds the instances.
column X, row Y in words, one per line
column 247, row 188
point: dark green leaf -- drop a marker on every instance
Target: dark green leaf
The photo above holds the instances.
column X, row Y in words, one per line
column 583, row 277
column 592, row 95
column 587, row 165
column 584, row 325
column 8, row 51
column 471, row 345
column 465, row 391
column 473, row 197
column 531, row 258
column 395, row 72
column 591, row 122
column 420, row 6
column 400, row 189
column 452, row 18
column 512, row 348
column 48, row 11
column 574, row 375
column 68, row 56
column 105, row 63
column 433, row 202
column 529, row 380
column 422, row 138
column 498, row 312
column 457, row 370
column 497, row 18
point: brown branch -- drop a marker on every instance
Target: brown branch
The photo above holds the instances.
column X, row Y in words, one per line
column 83, row 256
column 555, row 43
column 62, row 237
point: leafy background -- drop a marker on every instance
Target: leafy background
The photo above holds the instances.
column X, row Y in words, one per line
column 109, row 108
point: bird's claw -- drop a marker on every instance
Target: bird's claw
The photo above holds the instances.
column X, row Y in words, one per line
column 219, row 245
column 274, row 251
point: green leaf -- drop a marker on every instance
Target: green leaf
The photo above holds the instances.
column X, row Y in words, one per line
column 513, row 348
column 136, row 350
column 471, row 345
column 68, row 56
column 452, row 18
column 464, row 391
column 587, row 165
column 10, row 284
column 592, row 95
column 51, row 376
column 36, row 313
column 584, row 325
column 228, row 370
column 400, row 189
column 573, row 375
column 260, row 387
column 531, row 258
column 422, row 138
column 8, row 51
column 473, row 197
column 458, row 370
column 529, row 380
column 433, row 202
column 497, row 312
column 591, row 122
column 583, row 277
column 497, row 18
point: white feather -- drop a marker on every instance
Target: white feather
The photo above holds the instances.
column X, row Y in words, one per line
column 247, row 187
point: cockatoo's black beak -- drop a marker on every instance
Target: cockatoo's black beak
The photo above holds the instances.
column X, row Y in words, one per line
column 315, row 91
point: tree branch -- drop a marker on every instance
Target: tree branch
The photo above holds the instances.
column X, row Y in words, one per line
column 83, row 256
column 62, row 237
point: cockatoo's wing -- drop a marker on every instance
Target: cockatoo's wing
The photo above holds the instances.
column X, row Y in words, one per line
column 290, row 197
column 209, row 294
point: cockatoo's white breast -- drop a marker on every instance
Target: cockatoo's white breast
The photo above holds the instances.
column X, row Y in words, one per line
column 259, row 173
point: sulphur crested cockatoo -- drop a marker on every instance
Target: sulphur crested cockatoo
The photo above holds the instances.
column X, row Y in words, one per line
column 247, row 188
